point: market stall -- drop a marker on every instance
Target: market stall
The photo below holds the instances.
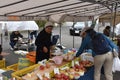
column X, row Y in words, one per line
column 66, row 70
column 52, row 11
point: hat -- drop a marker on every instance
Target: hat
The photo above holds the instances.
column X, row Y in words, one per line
column 48, row 24
column 83, row 30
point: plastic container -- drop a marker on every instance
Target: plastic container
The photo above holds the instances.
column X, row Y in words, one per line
column 18, row 74
column 14, row 67
column 31, row 56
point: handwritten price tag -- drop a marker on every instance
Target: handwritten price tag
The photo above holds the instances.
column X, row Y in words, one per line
column 40, row 77
column 56, row 71
column 47, row 75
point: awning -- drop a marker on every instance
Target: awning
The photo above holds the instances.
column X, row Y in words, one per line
column 53, row 9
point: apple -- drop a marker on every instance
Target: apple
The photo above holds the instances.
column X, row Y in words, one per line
column 76, row 66
column 45, row 78
column 47, row 65
column 71, row 77
column 41, row 67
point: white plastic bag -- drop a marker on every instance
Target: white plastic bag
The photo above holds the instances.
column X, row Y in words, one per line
column 87, row 56
column 115, row 53
column 116, row 64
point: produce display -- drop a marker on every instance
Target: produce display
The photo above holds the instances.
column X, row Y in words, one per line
column 69, row 56
column 59, row 67
column 40, row 72
column 51, row 71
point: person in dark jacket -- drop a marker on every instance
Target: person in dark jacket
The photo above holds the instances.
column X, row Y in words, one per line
column 14, row 37
column 32, row 35
column 106, row 31
column 43, row 42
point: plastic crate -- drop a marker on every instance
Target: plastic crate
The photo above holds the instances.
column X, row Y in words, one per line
column 2, row 64
column 31, row 56
column 14, row 67
column 18, row 74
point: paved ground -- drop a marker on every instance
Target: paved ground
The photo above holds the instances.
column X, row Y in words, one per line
column 67, row 41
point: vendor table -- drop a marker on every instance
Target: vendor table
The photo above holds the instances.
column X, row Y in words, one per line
column 89, row 75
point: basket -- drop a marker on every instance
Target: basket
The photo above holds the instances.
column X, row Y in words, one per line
column 18, row 74
column 2, row 64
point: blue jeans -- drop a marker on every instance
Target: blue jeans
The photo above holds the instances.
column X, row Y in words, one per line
column 12, row 44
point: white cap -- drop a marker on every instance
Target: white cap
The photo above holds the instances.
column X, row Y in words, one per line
column 48, row 24
column 83, row 30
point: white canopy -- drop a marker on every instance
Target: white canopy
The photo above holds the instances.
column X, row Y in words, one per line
column 20, row 25
column 54, row 9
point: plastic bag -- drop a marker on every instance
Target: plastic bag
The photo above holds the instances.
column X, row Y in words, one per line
column 116, row 64
column 87, row 56
column 115, row 53
column 23, row 63
column 57, row 59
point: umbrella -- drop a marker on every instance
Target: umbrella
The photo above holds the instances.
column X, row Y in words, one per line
column 29, row 25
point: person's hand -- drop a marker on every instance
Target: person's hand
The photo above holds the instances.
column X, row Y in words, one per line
column 15, row 38
column 45, row 50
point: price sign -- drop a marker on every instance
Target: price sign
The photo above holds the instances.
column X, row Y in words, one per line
column 40, row 77
column 56, row 71
column 47, row 75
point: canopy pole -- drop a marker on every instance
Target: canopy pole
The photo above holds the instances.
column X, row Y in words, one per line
column 60, row 32
column 111, row 23
column 114, row 18
column 1, row 39
column 73, row 34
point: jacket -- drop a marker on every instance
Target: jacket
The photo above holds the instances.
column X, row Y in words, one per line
column 85, row 45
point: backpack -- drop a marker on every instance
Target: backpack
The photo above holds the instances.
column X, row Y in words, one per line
column 100, row 44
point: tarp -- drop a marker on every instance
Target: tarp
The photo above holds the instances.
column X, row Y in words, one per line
column 19, row 25
column 109, row 18
column 21, row 10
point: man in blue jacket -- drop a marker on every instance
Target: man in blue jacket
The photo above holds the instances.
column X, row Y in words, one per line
column 101, row 58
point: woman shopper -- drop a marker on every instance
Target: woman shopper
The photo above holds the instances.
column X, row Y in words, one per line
column 102, row 48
